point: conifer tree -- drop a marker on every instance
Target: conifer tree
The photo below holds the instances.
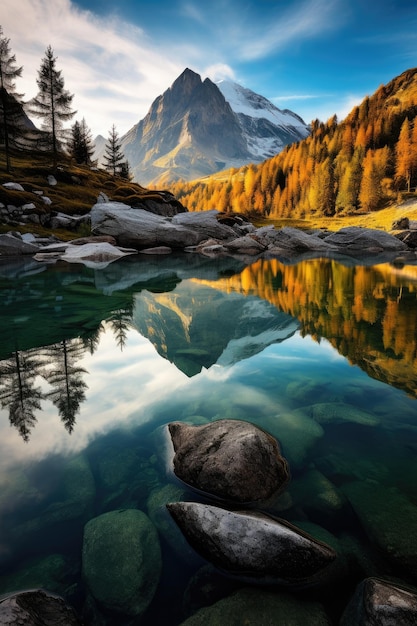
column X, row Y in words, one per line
column 81, row 144
column 53, row 101
column 113, row 156
column 9, row 99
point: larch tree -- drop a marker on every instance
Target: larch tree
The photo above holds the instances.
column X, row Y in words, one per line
column 53, row 102
column 10, row 101
column 404, row 154
column 113, row 156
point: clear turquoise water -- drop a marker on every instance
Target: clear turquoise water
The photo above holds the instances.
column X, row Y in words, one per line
column 94, row 363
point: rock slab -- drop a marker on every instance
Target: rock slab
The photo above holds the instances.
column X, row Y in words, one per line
column 229, row 459
column 36, row 608
column 252, row 545
column 381, row 603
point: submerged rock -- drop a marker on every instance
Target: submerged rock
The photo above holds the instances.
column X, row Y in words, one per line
column 389, row 519
column 229, row 459
column 381, row 603
column 252, row 545
column 122, row 561
column 36, row 608
column 253, row 607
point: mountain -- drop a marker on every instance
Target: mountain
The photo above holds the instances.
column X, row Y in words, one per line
column 196, row 128
column 186, row 330
column 360, row 165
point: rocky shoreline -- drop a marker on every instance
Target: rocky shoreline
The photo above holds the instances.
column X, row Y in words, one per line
column 118, row 230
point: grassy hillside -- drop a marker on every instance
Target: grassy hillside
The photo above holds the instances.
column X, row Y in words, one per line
column 75, row 193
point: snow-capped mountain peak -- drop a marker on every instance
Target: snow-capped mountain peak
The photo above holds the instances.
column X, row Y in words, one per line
column 243, row 100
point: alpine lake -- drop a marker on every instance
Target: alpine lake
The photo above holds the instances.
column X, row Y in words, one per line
column 95, row 362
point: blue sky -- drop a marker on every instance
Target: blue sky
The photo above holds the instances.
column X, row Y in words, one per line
column 315, row 57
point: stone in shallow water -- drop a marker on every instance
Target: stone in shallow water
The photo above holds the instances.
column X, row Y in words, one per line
column 389, row 519
column 122, row 560
column 36, row 608
column 260, row 608
column 339, row 412
column 229, row 459
column 381, row 603
column 252, row 545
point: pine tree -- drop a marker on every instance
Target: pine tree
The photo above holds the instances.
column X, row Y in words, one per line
column 52, row 102
column 124, row 171
column 9, row 100
column 113, row 156
column 81, row 144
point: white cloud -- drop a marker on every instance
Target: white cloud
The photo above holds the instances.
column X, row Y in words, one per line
column 220, row 71
column 94, row 55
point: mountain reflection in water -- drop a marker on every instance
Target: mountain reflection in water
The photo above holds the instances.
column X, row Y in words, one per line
column 320, row 353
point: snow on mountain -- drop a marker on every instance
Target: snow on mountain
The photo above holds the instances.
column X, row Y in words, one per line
column 266, row 128
column 243, row 100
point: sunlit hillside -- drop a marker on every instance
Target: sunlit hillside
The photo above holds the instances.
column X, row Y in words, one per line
column 352, row 168
column 76, row 191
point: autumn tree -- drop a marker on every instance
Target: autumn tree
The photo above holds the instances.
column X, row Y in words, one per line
column 10, row 101
column 404, row 153
column 113, row 155
column 53, row 101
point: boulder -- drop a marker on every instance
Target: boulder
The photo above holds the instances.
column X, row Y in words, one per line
column 229, row 459
column 362, row 240
column 36, row 608
column 11, row 245
column 245, row 245
column 409, row 237
column 253, row 607
column 140, row 229
column 252, row 545
column 160, row 203
column 382, row 603
column 296, row 240
column 121, row 561
column 95, row 254
column 403, row 223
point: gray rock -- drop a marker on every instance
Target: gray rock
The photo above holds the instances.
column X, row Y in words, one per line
column 409, row 237
column 253, row 607
column 252, row 545
column 13, row 186
column 381, row 603
column 297, row 240
column 245, row 245
column 229, row 459
column 36, row 608
column 15, row 246
column 122, row 561
column 359, row 239
column 140, row 229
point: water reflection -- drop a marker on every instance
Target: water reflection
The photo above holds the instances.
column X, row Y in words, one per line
column 94, row 363
column 52, row 318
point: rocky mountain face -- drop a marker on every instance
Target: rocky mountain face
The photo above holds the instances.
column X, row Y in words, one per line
column 196, row 128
